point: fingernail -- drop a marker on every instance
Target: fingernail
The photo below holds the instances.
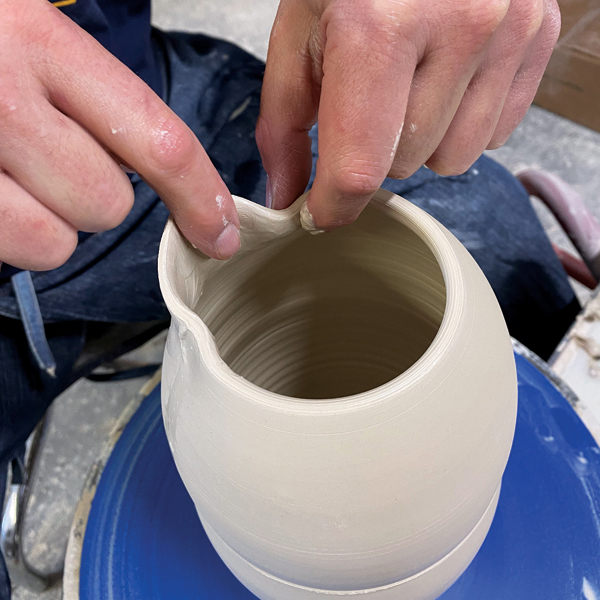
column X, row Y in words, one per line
column 128, row 170
column 269, row 200
column 228, row 242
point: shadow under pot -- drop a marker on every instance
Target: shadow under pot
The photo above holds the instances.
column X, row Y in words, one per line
column 340, row 407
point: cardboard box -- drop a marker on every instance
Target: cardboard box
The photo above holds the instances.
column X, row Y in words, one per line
column 571, row 85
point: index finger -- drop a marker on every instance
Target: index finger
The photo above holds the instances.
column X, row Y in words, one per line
column 367, row 72
column 130, row 120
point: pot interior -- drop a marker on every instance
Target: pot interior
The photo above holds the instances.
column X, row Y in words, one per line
column 327, row 316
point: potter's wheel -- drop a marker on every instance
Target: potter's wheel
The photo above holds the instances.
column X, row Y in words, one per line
column 143, row 539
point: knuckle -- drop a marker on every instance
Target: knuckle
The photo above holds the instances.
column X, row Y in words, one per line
column 52, row 249
column 484, row 17
column 108, row 197
column 401, row 171
column 378, row 22
column 449, row 167
column 62, row 253
column 552, row 20
column 115, row 207
column 528, row 19
column 172, row 146
column 468, row 25
column 498, row 140
column 383, row 27
column 447, row 170
column 383, row 14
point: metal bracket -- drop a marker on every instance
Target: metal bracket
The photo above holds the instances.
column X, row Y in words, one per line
column 19, row 477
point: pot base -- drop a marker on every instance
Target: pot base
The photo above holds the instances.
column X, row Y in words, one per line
column 144, row 540
column 426, row 585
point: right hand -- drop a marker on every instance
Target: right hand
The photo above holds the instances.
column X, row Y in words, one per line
column 70, row 114
column 395, row 84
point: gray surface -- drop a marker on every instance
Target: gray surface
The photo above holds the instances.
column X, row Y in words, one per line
column 558, row 145
column 562, row 147
column 244, row 22
column 82, row 417
column 78, row 424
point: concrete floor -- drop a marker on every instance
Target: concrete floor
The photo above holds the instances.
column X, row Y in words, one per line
column 82, row 417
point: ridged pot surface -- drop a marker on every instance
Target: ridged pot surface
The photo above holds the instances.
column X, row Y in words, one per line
column 340, row 407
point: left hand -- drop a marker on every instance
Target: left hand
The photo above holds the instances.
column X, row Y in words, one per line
column 395, row 84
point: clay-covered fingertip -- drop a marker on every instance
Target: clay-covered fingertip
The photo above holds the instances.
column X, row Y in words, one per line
column 308, row 221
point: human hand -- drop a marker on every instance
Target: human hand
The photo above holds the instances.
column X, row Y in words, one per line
column 395, row 84
column 69, row 114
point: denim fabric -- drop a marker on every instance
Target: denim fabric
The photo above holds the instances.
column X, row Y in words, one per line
column 4, row 581
column 123, row 28
column 112, row 276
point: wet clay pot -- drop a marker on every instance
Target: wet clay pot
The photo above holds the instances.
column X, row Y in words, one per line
column 340, row 407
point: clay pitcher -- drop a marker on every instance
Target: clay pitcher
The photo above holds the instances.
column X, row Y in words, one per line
column 340, row 407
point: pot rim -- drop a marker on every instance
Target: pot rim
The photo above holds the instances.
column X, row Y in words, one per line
column 286, row 221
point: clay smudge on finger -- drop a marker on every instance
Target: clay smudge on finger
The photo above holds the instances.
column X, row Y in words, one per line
column 397, row 141
column 308, row 221
column 269, row 194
